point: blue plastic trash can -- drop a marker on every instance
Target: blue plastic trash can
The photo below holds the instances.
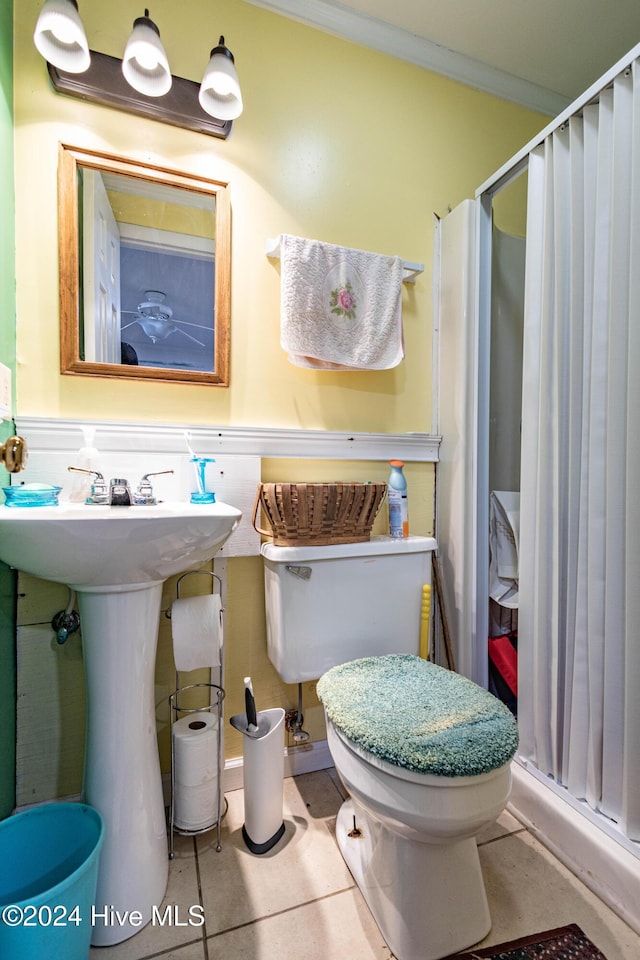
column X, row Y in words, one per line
column 48, row 876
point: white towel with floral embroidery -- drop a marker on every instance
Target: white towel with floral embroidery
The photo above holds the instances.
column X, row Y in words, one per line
column 341, row 309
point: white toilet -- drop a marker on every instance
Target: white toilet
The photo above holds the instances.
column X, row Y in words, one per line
column 424, row 753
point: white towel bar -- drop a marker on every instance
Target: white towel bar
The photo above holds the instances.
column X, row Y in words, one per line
column 409, row 274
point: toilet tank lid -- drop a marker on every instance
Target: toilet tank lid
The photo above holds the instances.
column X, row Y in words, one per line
column 419, row 716
column 376, row 546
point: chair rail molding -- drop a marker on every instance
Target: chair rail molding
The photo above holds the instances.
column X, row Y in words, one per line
column 54, row 434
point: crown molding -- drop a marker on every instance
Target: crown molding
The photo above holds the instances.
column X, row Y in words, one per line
column 386, row 38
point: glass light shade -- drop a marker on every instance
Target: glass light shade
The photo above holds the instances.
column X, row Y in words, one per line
column 60, row 38
column 157, row 328
column 220, row 94
column 145, row 65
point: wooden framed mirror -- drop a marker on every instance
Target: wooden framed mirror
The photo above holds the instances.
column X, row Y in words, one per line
column 145, row 270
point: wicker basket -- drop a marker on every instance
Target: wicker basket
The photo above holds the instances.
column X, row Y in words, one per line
column 305, row 514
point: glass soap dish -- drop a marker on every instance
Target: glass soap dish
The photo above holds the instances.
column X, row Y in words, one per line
column 31, row 495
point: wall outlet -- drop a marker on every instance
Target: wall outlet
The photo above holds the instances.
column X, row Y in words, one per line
column 5, row 392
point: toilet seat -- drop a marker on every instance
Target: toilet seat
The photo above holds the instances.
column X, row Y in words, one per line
column 418, row 717
column 403, row 773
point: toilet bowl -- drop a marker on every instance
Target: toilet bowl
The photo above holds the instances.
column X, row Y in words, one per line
column 423, row 752
column 408, row 835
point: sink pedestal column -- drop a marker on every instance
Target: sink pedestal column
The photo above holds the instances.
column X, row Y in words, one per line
column 122, row 769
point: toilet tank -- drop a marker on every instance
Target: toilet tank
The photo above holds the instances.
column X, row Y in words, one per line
column 327, row 605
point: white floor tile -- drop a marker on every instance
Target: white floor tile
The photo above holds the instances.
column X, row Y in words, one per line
column 503, row 826
column 239, row 887
column 333, row 928
column 299, row 901
column 182, row 893
column 529, row 891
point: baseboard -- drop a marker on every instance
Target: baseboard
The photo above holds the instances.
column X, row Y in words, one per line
column 305, row 758
column 71, row 798
column 604, row 864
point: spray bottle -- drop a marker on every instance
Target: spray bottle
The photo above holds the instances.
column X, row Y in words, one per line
column 398, row 501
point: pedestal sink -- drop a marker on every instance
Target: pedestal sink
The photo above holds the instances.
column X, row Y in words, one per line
column 117, row 558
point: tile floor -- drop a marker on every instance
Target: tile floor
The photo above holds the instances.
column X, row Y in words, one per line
column 299, row 902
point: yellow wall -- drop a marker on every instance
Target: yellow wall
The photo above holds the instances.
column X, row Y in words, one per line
column 337, row 142
column 510, row 207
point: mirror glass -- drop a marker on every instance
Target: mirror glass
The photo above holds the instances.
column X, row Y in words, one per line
column 144, row 271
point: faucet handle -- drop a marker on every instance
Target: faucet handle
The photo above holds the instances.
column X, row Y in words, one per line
column 157, row 473
column 92, row 473
column 144, row 493
column 99, row 493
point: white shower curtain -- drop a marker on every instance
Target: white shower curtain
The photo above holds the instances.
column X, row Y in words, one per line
column 579, row 625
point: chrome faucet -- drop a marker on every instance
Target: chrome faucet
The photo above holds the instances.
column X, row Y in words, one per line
column 118, row 494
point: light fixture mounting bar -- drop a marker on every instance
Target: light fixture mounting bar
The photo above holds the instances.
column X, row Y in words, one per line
column 105, row 84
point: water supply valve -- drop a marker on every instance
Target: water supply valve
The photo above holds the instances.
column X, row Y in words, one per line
column 64, row 623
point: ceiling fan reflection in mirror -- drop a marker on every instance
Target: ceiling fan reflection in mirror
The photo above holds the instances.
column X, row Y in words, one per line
column 157, row 320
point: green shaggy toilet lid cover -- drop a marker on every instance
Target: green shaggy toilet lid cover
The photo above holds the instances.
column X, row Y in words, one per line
column 417, row 715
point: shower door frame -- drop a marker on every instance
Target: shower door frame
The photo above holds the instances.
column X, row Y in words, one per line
column 607, row 865
column 484, row 247
column 462, row 321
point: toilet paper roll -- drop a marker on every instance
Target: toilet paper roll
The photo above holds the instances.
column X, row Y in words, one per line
column 196, row 624
column 195, row 766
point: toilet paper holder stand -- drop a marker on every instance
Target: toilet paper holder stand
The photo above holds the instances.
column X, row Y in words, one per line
column 216, row 697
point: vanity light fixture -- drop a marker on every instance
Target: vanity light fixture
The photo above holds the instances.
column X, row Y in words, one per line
column 142, row 82
column 60, row 38
column 220, row 94
column 145, row 65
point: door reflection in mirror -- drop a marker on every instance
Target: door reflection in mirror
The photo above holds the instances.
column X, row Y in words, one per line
column 144, row 270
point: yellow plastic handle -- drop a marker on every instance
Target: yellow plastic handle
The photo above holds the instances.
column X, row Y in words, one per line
column 425, row 614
